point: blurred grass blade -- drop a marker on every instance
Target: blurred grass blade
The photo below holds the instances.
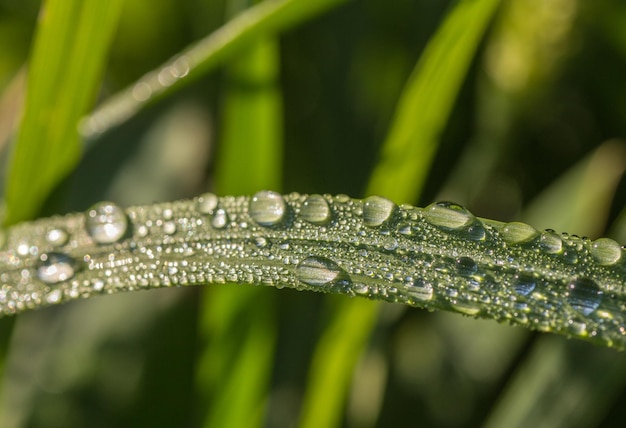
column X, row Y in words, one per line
column 427, row 101
column 66, row 63
column 586, row 190
column 238, row 324
column 264, row 19
column 420, row 118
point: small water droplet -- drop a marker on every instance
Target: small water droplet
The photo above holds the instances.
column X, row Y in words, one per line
column 584, row 295
column 55, row 267
column 142, row 231
column 476, row 232
column 518, row 233
column 550, row 242
column 606, row 251
column 54, row 296
column 267, row 208
column 524, row 284
column 448, row 215
column 315, row 209
column 389, row 243
column 405, row 229
column 377, row 210
column 220, row 219
column 466, row 266
column 106, row 222
column 169, row 227
column 466, row 307
column 98, row 285
column 206, row 203
column 419, row 289
column 57, row 237
column 260, row 241
column 320, row 271
column 23, row 249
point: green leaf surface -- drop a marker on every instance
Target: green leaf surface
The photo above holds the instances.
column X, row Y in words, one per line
column 66, row 63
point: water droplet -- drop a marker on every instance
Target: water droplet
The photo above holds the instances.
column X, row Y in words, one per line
column 169, row 227
column 518, row 233
column 220, row 219
column 57, row 237
column 419, row 289
column 466, row 307
column 319, row 271
column 466, row 266
column 55, row 267
column 476, row 232
column 54, row 296
column 206, row 203
column 550, row 242
column 584, row 295
column 142, row 231
column 377, row 210
column 315, row 209
column 106, row 222
column 524, row 284
column 606, row 251
column 448, row 215
column 260, row 241
column 389, row 243
column 267, row 208
column 25, row 249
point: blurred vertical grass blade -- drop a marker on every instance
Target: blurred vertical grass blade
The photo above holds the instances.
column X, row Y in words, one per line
column 238, row 324
column 262, row 20
column 420, row 118
column 427, row 101
column 67, row 60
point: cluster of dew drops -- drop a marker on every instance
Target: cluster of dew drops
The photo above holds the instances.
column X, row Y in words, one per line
column 106, row 223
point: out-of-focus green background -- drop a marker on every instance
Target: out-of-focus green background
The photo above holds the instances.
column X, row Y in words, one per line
column 536, row 133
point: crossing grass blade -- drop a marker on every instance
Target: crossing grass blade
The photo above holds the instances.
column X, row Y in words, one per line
column 65, row 67
column 265, row 19
column 412, row 140
column 238, row 325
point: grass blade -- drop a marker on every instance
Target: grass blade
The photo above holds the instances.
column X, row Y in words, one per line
column 238, row 324
column 427, row 101
column 420, row 117
column 262, row 20
column 66, row 64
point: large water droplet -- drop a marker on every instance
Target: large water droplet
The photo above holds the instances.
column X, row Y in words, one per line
column 524, row 284
column 206, row 203
column 106, row 222
column 320, row 271
column 55, row 267
column 606, row 251
column 584, row 295
column 518, row 233
column 448, row 215
column 267, row 208
column 377, row 210
column 315, row 209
